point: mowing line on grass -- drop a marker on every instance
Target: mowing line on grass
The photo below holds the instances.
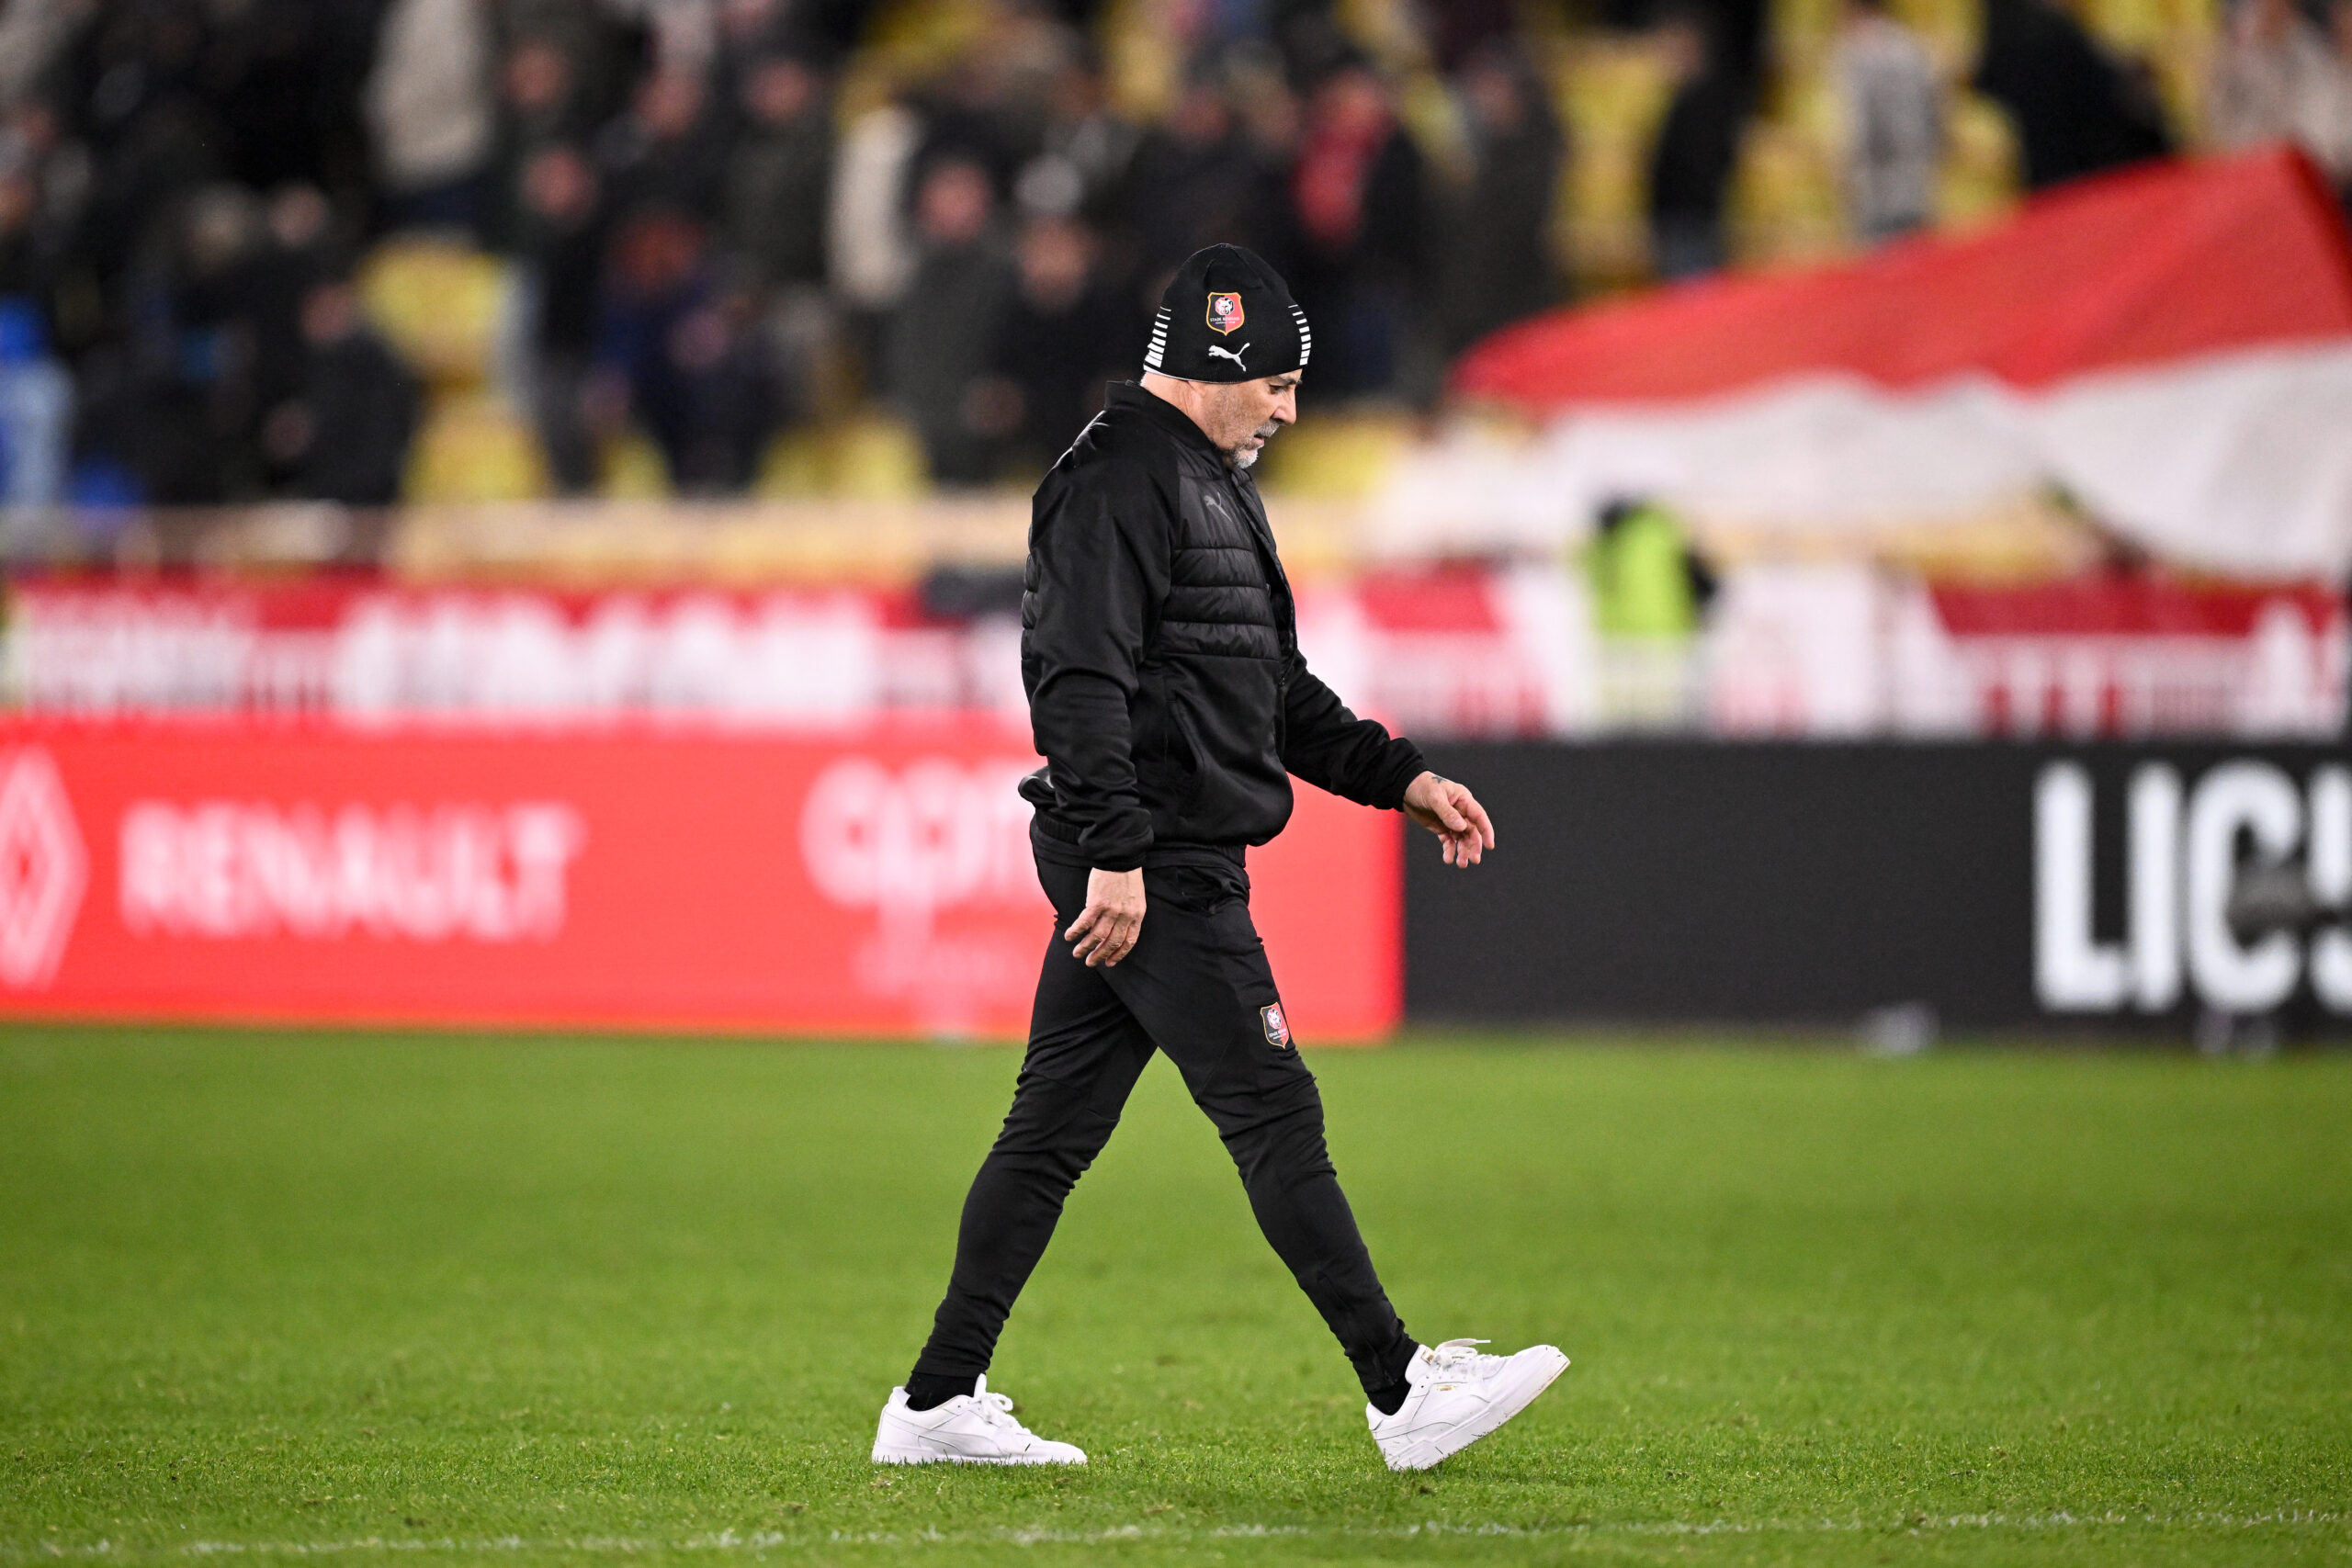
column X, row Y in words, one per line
column 768, row 1541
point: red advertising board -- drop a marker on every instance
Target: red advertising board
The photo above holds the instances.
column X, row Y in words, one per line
column 870, row 883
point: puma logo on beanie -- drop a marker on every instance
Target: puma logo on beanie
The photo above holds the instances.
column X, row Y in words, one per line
column 1226, row 316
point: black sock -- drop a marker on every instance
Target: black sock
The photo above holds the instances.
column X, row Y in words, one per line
column 927, row 1391
column 1390, row 1400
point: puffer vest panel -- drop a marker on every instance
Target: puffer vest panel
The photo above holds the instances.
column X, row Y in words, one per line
column 1220, row 602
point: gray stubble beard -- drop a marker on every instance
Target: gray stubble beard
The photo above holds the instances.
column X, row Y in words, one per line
column 1241, row 460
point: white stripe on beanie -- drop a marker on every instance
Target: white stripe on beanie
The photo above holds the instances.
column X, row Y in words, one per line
column 1158, row 349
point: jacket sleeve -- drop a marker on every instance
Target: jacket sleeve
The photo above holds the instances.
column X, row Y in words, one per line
column 1332, row 749
column 1101, row 560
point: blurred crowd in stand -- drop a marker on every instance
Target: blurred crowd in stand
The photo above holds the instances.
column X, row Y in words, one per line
column 717, row 222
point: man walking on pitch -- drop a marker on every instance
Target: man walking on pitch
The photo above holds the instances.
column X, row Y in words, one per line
column 1160, row 652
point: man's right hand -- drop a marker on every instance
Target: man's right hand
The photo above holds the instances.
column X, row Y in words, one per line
column 1105, row 931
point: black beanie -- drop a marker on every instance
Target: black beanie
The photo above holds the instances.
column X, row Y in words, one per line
column 1226, row 316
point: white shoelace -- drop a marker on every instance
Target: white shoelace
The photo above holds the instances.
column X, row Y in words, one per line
column 995, row 1408
column 1456, row 1358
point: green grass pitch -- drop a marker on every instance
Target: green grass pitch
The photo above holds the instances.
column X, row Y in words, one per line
column 435, row 1300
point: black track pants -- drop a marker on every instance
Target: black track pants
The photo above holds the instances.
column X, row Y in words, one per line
column 1197, row 986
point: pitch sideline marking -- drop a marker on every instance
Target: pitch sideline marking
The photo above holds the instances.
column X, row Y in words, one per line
column 768, row 1541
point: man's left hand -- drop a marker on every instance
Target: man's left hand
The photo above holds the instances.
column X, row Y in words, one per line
column 1453, row 814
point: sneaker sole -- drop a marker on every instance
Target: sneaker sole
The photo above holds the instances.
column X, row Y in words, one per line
column 910, row 1456
column 1433, row 1451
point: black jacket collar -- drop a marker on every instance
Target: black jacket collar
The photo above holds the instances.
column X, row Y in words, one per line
column 1161, row 412
column 1179, row 425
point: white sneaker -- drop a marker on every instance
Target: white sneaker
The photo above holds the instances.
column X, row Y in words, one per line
column 1458, row 1396
column 971, row 1428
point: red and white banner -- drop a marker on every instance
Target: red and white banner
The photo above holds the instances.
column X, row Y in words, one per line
column 2172, row 344
column 1440, row 652
column 874, row 884
column 1841, row 649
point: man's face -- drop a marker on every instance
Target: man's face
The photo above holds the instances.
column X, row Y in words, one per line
column 1242, row 416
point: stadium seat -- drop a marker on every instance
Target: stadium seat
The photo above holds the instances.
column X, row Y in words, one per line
column 474, row 447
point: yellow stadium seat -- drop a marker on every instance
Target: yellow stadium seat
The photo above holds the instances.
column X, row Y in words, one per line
column 1981, row 172
column 876, row 458
column 473, row 447
column 869, row 456
column 1611, row 91
column 631, row 467
column 793, row 467
column 438, row 303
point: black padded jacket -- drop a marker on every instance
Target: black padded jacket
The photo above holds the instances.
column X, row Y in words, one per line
column 1160, row 652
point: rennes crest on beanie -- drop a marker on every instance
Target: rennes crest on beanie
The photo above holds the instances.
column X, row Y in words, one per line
column 1226, row 316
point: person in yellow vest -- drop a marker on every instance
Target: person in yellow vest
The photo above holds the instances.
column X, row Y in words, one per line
column 1647, row 589
column 1640, row 573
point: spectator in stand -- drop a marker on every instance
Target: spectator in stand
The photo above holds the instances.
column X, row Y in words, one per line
column 35, row 139
column 657, row 272
column 671, row 148
column 2277, row 77
column 429, row 106
column 550, row 206
column 726, row 363
column 557, row 236
column 869, row 254
column 1269, row 119
column 29, row 258
column 679, row 349
column 1357, row 204
column 1894, row 107
column 1067, row 334
column 540, row 105
column 750, row 32
column 153, row 141
column 136, row 137
column 1198, row 179
column 943, row 333
column 347, row 436
column 991, row 106
column 1086, row 152
column 779, row 189
column 296, row 254
column 33, row 35
column 1500, row 251
column 283, row 77
column 36, row 410
column 779, row 179
column 45, row 179
column 604, row 49
column 1696, row 154
column 192, row 410
column 2076, row 110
